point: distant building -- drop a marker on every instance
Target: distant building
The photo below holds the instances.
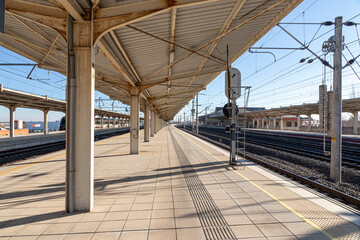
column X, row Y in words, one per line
column 37, row 126
column 217, row 117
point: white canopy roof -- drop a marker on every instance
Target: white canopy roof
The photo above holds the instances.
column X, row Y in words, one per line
column 170, row 49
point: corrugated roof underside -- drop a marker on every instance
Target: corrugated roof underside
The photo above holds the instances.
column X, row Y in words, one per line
column 196, row 26
column 148, row 54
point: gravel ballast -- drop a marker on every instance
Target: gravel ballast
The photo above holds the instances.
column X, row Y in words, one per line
column 310, row 168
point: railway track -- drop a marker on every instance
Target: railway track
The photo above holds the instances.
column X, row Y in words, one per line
column 19, row 154
column 214, row 138
column 311, row 149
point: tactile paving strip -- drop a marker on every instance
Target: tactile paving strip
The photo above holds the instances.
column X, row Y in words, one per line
column 212, row 221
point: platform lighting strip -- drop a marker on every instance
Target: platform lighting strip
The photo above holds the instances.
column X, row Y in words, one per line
column 317, row 227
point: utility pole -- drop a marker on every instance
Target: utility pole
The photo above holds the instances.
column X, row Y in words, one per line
column 192, row 116
column 197, row 114
column 184, row 120
column 336, row 131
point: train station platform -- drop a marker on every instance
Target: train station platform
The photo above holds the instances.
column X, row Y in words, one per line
column 177, row 187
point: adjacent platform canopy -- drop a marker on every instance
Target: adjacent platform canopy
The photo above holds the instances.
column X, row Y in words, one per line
column 14, row 98
column 348, row 105
column 169, row 49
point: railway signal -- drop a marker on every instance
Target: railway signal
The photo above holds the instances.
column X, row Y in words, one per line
column 232, row 92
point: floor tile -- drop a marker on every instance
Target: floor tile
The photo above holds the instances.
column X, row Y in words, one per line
column 134, row 235
column 190, row 234
column 274, row 230
column 162, row 234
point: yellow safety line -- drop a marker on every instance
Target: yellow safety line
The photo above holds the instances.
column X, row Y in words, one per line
column 317, row 227
column 27, row 165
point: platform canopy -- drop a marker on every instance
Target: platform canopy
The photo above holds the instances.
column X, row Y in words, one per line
column 17, row 99
column 169, row 49
column 348, row 105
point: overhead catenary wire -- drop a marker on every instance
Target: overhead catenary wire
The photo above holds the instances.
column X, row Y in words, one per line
column 303, row 98
column 315, row 37
column 313, row 91
column 292, row 20
column 353, row 58
column 296, row 86
column 351, row 66
column 289, row 74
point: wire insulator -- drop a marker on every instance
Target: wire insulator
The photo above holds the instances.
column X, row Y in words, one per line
column 326, row 63
column 349, row 23
column 327, row 23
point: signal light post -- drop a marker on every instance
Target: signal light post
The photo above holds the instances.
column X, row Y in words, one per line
column 233, row 91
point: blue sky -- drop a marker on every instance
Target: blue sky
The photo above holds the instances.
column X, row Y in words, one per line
column 274, row 84
column 286, row 81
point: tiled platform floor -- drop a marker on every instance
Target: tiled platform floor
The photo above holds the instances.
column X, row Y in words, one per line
column 153, row 196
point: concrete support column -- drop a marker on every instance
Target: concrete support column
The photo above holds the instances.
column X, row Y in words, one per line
column 258, row 122
column 309, row 122
column 155, row 122
column 79, row 182
column 298, row 123
column 158, row 123
column 134, row 121
column 108, row 122
column 102, row 122
column 274, row 120
column 152, row 123
column 114, row 121
column 262, row 122
column 146, row 121
column 329, row 113
column 281, row 122
column 323, row 106
column 253, row 123
column 268, row 125
column 12, row 121
column 46, row 121
column 356, row 122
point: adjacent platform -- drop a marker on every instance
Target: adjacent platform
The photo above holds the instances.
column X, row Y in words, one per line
column 33, row 140
column 178, row 187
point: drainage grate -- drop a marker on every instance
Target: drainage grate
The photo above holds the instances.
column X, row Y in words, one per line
column 212, row 221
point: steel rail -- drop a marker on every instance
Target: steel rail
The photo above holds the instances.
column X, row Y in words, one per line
column 306, row 152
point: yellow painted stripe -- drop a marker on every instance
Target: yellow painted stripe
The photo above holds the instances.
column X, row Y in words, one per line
column 317, row 227
column 111, row 139
column 27, row 165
